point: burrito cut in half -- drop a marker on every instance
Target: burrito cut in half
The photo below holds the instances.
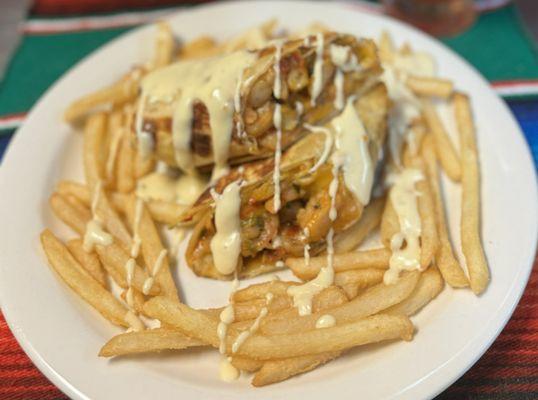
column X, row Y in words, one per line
column 325, row 180
column 244, row 106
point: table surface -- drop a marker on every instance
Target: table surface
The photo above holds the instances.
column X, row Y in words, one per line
column 51, row 45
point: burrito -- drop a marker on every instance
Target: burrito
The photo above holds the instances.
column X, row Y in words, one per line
column 245, row 105
column 326, row 179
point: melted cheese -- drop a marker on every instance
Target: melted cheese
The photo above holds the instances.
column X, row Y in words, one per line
column 148, row 283
column 255, row 325
column 406, row 106
column 405, row 245
column 277, row 86
column 183, row 190
column 352, row 143
column 211, row 81
column 337, row 161
column 303, row 294
column 317, row 84
column 326, row 148
column 325, row 321
column 339, row 87
column 226, row 244
column 95, row 234
column 129, row 270
column 227, row 371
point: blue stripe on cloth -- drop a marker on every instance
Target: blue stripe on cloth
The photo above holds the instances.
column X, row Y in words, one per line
column 4, row 141
column 526, row 113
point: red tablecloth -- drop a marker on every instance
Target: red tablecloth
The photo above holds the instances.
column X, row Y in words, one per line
column 508, row 370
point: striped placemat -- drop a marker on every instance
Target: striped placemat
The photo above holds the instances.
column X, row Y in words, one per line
column 496, row 45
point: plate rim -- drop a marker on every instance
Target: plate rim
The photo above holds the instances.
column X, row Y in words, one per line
column 515, row 292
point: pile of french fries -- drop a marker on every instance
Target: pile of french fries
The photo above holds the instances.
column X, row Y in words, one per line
column 286, row 344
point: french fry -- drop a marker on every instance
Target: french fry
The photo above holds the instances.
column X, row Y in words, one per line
column 94, row 132
column 328, row 298
column 360, row 278
column 386, row 46
column 204, row 46
column 351, row 290
column 114, row 259
column 259, row 290
column 376, row 258
column 137, row 297
column 428, row 287
column 274, row 371
column 164, row 212
column 152, row 246
column 78, row 279
column 429, row 239
column 430, row 86
column 164, row 46
column 370, row 219
column 113, row 138
column 143, row 165
column 372, row 301
column 161, row 211
column 147, row 341
column 389, row 224
column 372, row 329
column 89, row 261
column 470, row 199
column 125, row 166
column 444, row 258
column 246, row 364
column 111, row 220
column 117, row 93
column 76, row 219
column 446, row 153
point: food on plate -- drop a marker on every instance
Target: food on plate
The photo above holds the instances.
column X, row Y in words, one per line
column 311, row 152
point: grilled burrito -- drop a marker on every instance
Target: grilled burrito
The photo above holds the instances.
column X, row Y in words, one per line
column 219, row 111
column 325, row 180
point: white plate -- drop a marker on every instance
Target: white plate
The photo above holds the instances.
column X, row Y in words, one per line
column 62, row 335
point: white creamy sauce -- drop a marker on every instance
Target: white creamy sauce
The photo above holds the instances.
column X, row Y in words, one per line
column 339, row 86
column 183, row 190
column 299, row 108
column 325, row 321
column 148, row 283
column 303, row 294
column 406, row 105
column 134, row 322
column 226, row 244
column 277, row 121
column 95, row 233
column 326, row 148
column 255, row 325
column 211, row 81
column 337, row 160
column 227, row 371
column 129, row 270
column 277, row 86
column 306, row 251
column 352, row 144
column 318, row 69
column 405, row 245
